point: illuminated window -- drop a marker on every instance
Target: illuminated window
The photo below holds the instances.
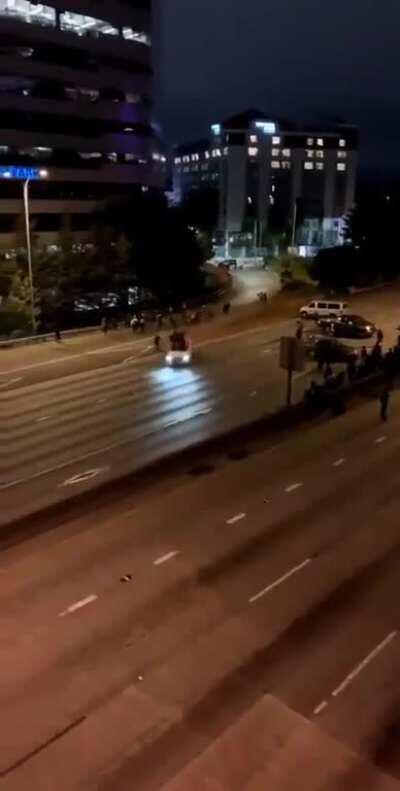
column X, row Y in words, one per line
column 28, row 12
column 286, row 165
column 286, row 152
column 207, row 154
column 320, row 141
column 185, row 158
column 342, row 143
column 275, row 164
column 310, row 141
column 320, row 166
column 253, row 139
column 310, row 153
column 253, row 151
column 226, row 151
column 84, row 25
column 112, row 157
column 275, row 152
column 177, row 160
column 341, row 166
column 342, row 155
column 319, row 154
column 276, row 141
column 195, row 157
column 216, row 152
column 309, row 166
column 135, row 35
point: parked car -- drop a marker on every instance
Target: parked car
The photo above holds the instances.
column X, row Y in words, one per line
column 319, row 309
column 348, row 326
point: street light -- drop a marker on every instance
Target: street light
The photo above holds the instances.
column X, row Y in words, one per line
column 26, row 175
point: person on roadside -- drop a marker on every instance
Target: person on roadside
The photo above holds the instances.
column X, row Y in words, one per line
column 226, row 308
column 142, row 323
column 104, row 325
column 384, row 403
column 157, row 343
column 134, row 323
column 363, row 354
column 57, row 335
column 299, row 331
column 379, row 336
column 328, row 373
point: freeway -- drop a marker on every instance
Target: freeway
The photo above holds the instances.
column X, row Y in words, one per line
column 64, row 434
column 133, row 635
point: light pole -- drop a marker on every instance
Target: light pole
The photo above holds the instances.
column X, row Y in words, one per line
column 42, row 174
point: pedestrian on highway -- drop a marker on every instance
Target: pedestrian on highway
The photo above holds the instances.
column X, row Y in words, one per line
column 328, row 373
column 104, row 325
column 134, row 323
column 159, row 320
column 57, row 335
column 299, row 331
column 379, row 336
column 384, row 400
column 363, row 354
column 157, row 343
column 226, row 308
column 142, row 323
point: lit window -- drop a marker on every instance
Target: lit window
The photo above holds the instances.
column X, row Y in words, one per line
column 310, row 141
column 310, row 153
column 320, row 166
column 216, row 129
column 276, row 141
column 130, row 157
column 273, row 188
column 341, row 166
column 216, row 152
column 135, row 35
column 309, row 166
column 253, row 151
column 29, row 12
column 226, row 151
column 112, row 157
column 83, row 25
column 275, row 152
column 195, row 157
column 319, row 154
column 320, row 141
column 132, row 98
column 207, row 154
column 286, row 165
column 342, row 155
column 185, row 158
column 156, row 156
column 253, row 139
column 275, row 164
column 90, row 154
column 342, row 143
column 286, row 152
column 177, row 160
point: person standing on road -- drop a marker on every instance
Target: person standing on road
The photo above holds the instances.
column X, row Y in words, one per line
column 379, row 336
column 299, row 331
column 157, row 343
column 384, row 400
column 104, row 325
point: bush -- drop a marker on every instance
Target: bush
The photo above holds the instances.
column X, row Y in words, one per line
column 14, row 323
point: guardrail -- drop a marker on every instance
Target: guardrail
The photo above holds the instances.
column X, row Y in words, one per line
column 30, row 340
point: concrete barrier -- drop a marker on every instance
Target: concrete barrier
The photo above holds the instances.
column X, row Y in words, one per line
column 31, row 340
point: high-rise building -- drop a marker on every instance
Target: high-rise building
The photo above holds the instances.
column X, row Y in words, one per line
column 75, row 110
column 273, row 176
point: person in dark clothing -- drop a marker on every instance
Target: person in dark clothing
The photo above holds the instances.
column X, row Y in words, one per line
column 57, row 335
column 157, row 343
column 379, row 336
column 299, row 331
column 226, row 308
column 384, row 400
column 364, row 354
column 104, row 325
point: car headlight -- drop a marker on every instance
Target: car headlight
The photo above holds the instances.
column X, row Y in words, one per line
column 186, row 358
column 168, row 358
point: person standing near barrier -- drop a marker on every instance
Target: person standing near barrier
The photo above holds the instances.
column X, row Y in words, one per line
column 384, row 402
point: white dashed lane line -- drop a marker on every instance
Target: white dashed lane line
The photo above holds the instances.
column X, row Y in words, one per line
column 236, row 518
column 78, row 605
column 379, row 440
column 293, row 487
column 338, row 462
column 165, row 558
column 43, row 418
column 320, row 708
column 280, row 580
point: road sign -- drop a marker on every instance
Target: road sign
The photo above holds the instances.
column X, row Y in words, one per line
column 292, row 358
column 292, row 354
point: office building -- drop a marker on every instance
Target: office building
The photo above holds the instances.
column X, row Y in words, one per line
column 273, row 177
column 75, row 111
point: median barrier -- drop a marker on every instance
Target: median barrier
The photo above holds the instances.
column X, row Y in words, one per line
column 31, row 340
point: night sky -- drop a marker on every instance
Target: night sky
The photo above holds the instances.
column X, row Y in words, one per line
column 300, row 59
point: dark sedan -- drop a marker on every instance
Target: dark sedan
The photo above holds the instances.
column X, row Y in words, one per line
column 348, row 326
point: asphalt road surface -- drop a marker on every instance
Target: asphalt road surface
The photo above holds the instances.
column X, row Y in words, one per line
column 132, row 635
column 72, row 432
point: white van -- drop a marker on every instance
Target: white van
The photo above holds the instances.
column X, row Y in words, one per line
column 319, row 309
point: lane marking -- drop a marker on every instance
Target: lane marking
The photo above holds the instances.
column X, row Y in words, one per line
column 165, row 558
column 41, row 419
column 318, row 709
column 81, row 477
column 293, row 487
column 254, row 393
column 11, row 381
column 380, row 439
column 338, row 462
column 366, row 661
column 78, row 605
column 236, row 518
column 101, row 401
column 291, row 573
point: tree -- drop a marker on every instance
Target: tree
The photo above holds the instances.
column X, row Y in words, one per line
column 371, row 227
column 336, row 268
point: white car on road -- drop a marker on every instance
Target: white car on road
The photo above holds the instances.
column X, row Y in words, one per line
column 180, row 352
